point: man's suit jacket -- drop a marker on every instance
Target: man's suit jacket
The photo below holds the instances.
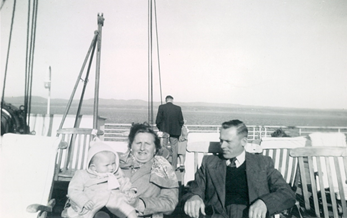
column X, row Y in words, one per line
column 264, row 182
column 170, row 119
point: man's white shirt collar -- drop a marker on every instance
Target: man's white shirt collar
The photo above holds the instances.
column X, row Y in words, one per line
column 240, row 159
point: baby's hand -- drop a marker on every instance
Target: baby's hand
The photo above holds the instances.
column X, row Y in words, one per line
column 89, row 205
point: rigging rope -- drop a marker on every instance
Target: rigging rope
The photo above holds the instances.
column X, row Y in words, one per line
column 8, row 52
column 150, row 59
column 2, row 4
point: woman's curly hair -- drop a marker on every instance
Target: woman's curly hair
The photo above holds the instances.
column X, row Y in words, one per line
column 143, row 128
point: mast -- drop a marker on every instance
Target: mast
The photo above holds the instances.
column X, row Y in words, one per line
column 97, row 74
column 150, row 68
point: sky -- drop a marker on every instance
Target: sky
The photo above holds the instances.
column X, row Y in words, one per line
column 264, row 53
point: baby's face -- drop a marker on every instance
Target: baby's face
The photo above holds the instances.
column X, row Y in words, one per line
column 106, row 163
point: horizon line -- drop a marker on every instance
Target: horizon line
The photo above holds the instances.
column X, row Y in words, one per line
column 191, row 102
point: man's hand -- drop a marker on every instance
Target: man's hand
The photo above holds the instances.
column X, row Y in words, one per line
column 258, row 209
column 193, row 206
column 89, row 205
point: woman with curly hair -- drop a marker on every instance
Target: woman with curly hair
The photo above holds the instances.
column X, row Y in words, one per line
column 152, row 175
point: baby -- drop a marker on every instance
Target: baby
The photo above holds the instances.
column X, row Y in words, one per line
column 102, row 184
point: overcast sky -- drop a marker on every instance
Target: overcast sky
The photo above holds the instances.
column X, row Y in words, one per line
column 269, row 53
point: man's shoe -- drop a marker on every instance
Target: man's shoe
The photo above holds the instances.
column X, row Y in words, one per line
column 101, row 214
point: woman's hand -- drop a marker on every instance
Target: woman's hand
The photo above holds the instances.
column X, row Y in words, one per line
column 89, row 205
column 131, row 198
column 137, row 203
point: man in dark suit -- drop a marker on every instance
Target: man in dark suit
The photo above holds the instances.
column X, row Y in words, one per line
column 236, row 183
column 170, row 120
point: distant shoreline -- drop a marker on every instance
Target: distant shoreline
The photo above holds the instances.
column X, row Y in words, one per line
column 215, row 117
column 109, row 103
column 123, row 111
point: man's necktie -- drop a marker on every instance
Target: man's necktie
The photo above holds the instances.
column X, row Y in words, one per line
column 232, row 162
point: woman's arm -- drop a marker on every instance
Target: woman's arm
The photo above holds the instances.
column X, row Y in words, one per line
column 165, row 202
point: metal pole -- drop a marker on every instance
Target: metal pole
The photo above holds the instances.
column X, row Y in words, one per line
column 92, row 45
column 97, row 74
column 48, row 86
column 8, row 54
column 84, row 86
column 150, row 106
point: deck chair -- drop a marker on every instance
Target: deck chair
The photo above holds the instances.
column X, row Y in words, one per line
column 197, row 146
column 330, row 201
column 75, row 156
column 326, row 139
column 27, row 167
column 334, row 139
column 278, row 149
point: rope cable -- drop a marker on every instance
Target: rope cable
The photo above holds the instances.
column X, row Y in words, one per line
column 156, row 30
column 2, row 5
column 8, row 52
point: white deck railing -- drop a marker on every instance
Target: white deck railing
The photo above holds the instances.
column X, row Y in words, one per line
column 119, row 132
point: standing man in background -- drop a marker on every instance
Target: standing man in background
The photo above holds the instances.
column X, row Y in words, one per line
column 170, row 120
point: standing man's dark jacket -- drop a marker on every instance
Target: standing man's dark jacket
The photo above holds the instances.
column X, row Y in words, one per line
column 170, row 119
